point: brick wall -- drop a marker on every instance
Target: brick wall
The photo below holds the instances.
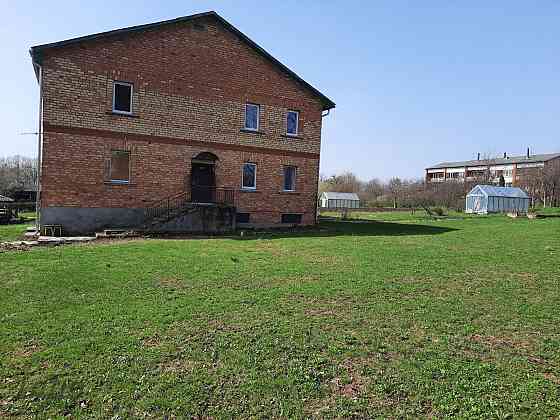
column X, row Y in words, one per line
column 191, row 83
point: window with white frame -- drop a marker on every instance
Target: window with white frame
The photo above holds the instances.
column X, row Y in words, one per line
column 249, row 176
column 290, row 178
column 122, row 97
column 252, row 112
column 292, row 122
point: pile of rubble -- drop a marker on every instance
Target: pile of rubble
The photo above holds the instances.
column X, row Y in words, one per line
column 33, row 238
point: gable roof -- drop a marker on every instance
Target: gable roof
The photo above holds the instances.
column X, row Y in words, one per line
column 500, row 161
column 340, row 196
column 493, row 191
column 36, row 51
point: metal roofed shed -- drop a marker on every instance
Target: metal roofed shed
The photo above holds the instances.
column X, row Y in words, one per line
column 484, row 199
column 338, row 200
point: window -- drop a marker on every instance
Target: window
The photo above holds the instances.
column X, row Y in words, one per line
column 292, row 123
column 292, row 218
column 252, row 116
column 289, row 178
column 120, row 166
column 242, row 217
column 249, row 178
column 122, row 97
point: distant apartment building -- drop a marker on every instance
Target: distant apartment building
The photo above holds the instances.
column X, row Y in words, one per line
column 514, row 169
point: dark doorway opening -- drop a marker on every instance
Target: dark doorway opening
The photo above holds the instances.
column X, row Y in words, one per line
column 203, row 178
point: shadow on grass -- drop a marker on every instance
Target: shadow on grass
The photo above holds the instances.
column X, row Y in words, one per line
column 349, row 228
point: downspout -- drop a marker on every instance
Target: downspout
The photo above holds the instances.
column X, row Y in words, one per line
column 39, row 148
column 318, row 177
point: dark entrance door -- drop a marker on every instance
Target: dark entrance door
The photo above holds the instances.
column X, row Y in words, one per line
column 203, row 182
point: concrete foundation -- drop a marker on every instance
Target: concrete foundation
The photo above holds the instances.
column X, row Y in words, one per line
column 83, row 221
column 200, row 219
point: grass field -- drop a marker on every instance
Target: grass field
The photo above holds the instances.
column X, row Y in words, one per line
column 409, row 317
column 16, row 231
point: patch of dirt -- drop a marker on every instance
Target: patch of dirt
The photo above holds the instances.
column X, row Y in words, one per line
column 170, row 283
column 4, row 405
column 177, row 366
column 536, row 360
column 352, row 384
column 338, row 306
column 356, row 383
column 552, row 378
column 276, row 282
column 502, row 342
column 220, row 325
column 319, row 312
column 151, row 341
column 27, row 350
column 408, row 280
column 8, row 247
column 273, row 248
column 323, row 259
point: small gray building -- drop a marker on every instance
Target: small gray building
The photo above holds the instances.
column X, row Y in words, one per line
column 484, row 199
column 338, row 200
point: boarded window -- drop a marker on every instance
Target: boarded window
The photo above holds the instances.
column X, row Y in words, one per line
column 120, row 166
column 122, row 97
column 292, row 218
column 249, row 177
column 252, row 116
column 290, row 178
column 292, row 123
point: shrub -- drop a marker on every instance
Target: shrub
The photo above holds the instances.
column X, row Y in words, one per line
column 439, row 211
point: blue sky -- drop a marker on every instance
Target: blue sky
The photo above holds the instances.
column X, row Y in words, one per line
column 415, row 83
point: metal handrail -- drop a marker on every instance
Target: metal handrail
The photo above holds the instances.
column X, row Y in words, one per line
column 167, row 206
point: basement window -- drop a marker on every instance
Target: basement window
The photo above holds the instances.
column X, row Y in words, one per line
column 249, row 176
column 291, row 218
column 242, row 217
column 120, row 166
column 252, row 112
column 290, row 178
column 292, row 123
column 122, row 98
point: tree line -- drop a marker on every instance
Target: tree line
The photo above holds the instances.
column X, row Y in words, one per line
column 542, row 185
column 17, row 173
column 396, row 192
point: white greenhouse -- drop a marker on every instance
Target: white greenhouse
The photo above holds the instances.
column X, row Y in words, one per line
column 337, row 200
column 485, row 199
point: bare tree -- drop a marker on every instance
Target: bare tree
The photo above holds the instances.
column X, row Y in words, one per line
column 395, row 189
column 17, row 172
column 347, row 182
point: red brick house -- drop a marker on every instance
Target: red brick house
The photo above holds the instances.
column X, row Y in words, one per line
column 188, row 110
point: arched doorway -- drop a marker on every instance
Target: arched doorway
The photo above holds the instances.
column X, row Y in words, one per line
column 203, row 177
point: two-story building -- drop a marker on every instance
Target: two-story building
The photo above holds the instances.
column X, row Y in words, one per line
column 513, row 169
column 184, row 110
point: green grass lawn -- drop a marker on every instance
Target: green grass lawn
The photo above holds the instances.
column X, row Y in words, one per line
column 15, row 232
column 12, row 232
column 392, row 319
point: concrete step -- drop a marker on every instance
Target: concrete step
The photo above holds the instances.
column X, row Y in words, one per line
column 112, row 233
